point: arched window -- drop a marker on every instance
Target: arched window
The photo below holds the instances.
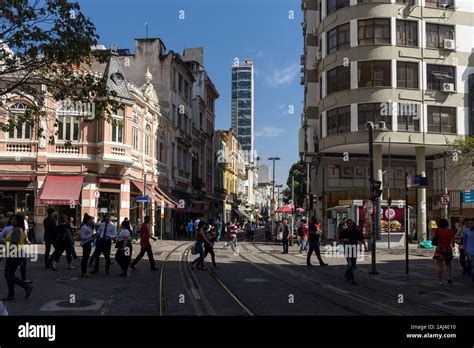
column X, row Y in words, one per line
column 147, row 140
column 22, row 130
column 135, row 130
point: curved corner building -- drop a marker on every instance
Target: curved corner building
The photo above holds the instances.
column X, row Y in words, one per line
column 407, row 63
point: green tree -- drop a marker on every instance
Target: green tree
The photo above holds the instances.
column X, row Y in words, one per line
column 45, row 48
column 461, row 152
column 298, row 170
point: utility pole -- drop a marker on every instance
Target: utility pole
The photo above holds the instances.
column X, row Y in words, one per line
column 273, row 191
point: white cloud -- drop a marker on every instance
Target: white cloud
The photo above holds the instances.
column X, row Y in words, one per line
column 269, row 132
column 280, row 77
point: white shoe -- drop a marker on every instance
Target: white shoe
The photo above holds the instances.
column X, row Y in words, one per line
column 71, row 267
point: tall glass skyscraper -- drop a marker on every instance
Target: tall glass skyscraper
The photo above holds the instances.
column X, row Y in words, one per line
column 242, row 104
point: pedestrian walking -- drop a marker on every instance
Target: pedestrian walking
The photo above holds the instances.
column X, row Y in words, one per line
column 211, row 235
column 267, row 230
column 468, row 243
column 459, row 240
column 314, row 235
column 124, row 248
column 302, row 232
column 190, row 229
column 6, row 230
column 145, row 246
column 87, row 234
column 201, row 238
column 107, row 232
column 351, row 237
column 248, row 230
column 16, row 240
column 218, row 226
column 443, row 238
column 73, row 230
column 285, row 234
column 62, row 243
column 233, row 230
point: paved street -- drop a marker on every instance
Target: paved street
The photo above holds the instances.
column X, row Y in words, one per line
column 255, row 280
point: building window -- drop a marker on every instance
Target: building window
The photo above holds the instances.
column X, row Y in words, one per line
column 180, row 83
column 339, row 120
column 374, row 112
column 338, row 38
column 186, row 90
column 437, row 33
column 407, row 75
column 334, row 5
column 407, row 33
column 374, row 73
column 68, row 128
column 374, row 31
column 147, row 140
column 441, row 119
column 135, row 130
column 445, row 4
column 439, row 74
column 117, row 132
column 23, row 130
column 409, row 117
column 338, row 79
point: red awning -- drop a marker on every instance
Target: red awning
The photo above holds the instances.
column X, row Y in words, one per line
column 138, row 185
column 110, row 181
column 61, row 190
column 170, row 200
column 16, row 178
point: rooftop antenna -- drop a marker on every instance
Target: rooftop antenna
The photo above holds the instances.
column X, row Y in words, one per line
column 146, row 29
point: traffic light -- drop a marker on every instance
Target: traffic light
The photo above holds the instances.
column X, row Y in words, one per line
column 377, row 189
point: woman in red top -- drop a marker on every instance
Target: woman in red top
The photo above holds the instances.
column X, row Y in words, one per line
column 444, row 248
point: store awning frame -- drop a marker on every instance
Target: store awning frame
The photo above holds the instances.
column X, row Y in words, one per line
column 62, row 190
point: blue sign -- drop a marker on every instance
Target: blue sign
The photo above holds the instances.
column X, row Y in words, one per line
column 417, row 181
column 467, row 196
column 143, row 199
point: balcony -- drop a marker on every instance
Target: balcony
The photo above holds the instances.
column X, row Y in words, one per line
column 18, row 148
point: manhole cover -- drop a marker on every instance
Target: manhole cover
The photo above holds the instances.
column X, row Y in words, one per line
column 255, row 280
column 76, row 304
column 459, row 304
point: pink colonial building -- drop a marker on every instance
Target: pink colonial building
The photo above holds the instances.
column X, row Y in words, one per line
column 94, row 166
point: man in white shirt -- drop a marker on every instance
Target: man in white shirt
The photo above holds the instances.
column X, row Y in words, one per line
column 107, row 232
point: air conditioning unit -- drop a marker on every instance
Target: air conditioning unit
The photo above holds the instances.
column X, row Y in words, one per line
column 314, row 31
column 318, row 56
column 447, row 87
column 449, row 44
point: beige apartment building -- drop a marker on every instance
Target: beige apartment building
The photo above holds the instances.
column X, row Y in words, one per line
column 405, row 65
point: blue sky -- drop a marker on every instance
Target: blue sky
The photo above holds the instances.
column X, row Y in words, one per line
column 260, row 30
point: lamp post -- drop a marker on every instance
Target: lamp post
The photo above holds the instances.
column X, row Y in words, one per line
column 375, row 193
column 274, row 159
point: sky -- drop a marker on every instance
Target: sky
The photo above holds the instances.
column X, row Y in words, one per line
column 266, row 31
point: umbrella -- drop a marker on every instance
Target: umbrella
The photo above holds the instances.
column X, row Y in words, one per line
column 286, row 209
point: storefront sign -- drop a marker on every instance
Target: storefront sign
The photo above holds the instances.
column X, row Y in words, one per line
column 467, row 196
column 143, row 199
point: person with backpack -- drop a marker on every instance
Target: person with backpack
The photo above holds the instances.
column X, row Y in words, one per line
column 303, row 235
column 63, row 242
column 15, row 239
column 124, row 248
column 314, row 234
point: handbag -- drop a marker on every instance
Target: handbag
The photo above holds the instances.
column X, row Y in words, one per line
column 193, row 250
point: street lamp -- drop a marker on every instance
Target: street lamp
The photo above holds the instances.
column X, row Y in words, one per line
column 375, row 193
column 273, row 190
